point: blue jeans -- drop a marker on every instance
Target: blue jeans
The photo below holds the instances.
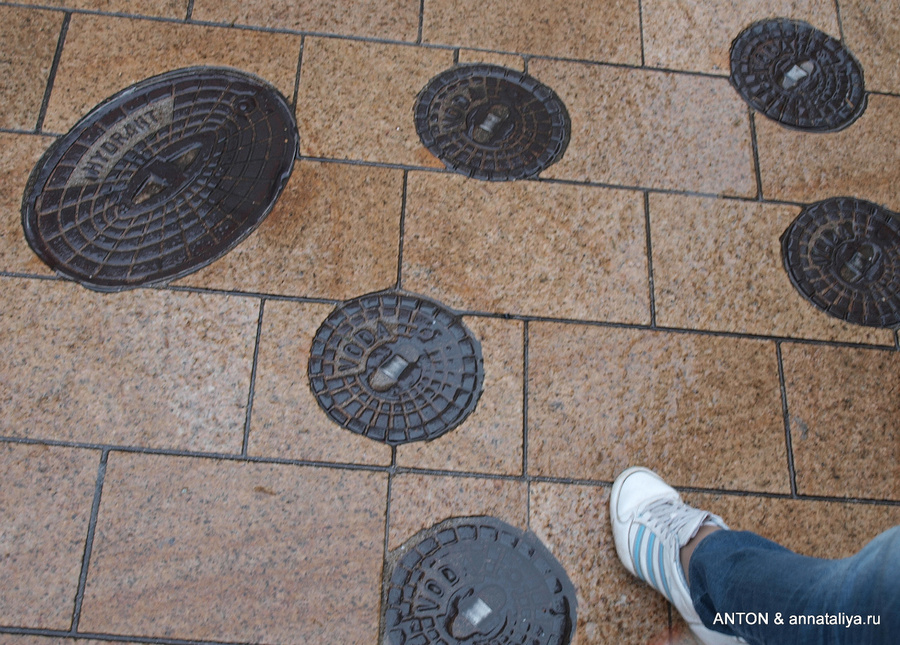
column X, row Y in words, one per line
column 747, row 586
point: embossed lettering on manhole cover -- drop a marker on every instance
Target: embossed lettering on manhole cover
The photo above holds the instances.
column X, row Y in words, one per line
column 161, row 179
column 491, row 122
column 476, row 580
column 799, row 76
column 395, row 368
column 843, row 255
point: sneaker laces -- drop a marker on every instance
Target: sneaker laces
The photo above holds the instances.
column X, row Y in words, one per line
column 672, row 516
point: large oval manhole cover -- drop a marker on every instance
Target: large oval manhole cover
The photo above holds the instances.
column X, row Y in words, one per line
column 395, row 368
column 797, row 75
column 161, row 179
column 491, row 122
column 843, row 255
column 479, row 581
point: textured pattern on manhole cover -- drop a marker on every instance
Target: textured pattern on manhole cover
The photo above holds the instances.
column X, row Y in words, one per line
column 395, row 368
column 491, row 122
column 799, row 76
column 477, row 580
column 161, row 179
column 843, row 255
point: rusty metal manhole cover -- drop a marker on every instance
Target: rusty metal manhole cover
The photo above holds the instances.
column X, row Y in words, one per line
column 395, row 368
column 797, row 75
column 477, row 580
column 491, row 122
column 161, row 179
column 843, row 255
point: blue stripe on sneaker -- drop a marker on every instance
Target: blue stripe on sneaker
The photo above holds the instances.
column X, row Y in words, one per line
column 662, row 573
column 650, row 544
column 636, row 556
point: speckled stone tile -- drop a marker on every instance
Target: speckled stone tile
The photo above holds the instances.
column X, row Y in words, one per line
column 527, row 248
column 385, row 19
column 18, row 155
column 145, row 368
column 419, row 502
column 468, row 56
column 613, row 605
column 859, row 161
column 697, row 36
column 29, row 41
column 633, row 127
column 605, row 31
column 45, row 501
column 717, row 265
column 103, row 55
column 179, row 540
column 872, row 32
column 158, row 8
column 356, row 100
column 287, row 421
column 816, row 529
column 704, row 410
column 333, row 233
column 843, row 407
column 490, row 440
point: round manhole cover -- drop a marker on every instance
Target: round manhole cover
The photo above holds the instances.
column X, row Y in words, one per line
column 395, row 368
column 479, row 581
column 843, row 255
column 797, row 75
column 161, row 179
column 491, row 122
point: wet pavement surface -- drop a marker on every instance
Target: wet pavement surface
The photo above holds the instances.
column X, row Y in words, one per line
column 166, row 472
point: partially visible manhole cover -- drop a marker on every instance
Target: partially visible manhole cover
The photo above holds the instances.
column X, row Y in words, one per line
column 491, row 122
column 161, row 179
column 479, row 581
column 395, row 368
column 843, row 255
column 797, row 75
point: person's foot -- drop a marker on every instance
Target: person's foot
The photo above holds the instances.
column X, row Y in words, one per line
column 650, row 526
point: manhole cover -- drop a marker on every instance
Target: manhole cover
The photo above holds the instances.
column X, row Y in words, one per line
column 478, row 581
column 395, row 368
column 799, row 76
column 161, row 179
column 492, row 123
column 843, row 255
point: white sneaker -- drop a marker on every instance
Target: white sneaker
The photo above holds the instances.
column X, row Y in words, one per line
column 650, row 524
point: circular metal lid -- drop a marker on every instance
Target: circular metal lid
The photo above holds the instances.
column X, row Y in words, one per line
column 797, row 75
column 843, row 255
column 491, row 122
column 395, row 368
column 479, row 581
column 161, row 179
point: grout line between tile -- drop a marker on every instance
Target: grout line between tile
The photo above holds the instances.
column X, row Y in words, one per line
column 526, row 339
column 51, row 76
column 895, row 344
column 385, row 555
column 114, row 638
column 785, row 412
column 252, row 390
column 30, row 133
column 755, row 145
column 641, row 28
column 89, row 542
column 190, row 11
column 421, row 22
column 393, row 469
column 402, row 232
column 650, row 283
column 456, row 56
column 840, row 20
column 297, row 80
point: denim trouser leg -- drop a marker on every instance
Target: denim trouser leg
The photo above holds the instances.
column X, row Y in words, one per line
column 739, row 571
